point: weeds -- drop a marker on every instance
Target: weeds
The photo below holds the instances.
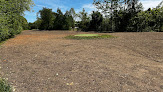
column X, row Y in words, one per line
column 4, row 86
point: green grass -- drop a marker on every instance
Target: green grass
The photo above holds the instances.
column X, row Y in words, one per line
column 86, row 35
column 89, row 36
column 4, row 86
column 2, row 42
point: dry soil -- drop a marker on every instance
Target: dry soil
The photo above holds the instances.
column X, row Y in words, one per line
column 44, row 61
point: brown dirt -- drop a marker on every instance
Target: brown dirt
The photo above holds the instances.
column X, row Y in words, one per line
column 43, row 61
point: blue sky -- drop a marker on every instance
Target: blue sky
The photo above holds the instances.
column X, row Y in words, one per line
column 78, row 5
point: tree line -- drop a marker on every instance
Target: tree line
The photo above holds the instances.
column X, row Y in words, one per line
column 49, row 20
column 12, row 21
column 116, row 16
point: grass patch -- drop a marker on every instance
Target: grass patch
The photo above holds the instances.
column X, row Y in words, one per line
column 2, row 42
column 4, row 86
column 86, row 35
column 89, row 36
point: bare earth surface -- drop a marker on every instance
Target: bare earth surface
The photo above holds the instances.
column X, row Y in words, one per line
column 43, row 61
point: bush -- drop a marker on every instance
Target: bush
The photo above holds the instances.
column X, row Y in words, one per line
column 4, row 86
column 11, row 20
column 147, row 29
column 162, row 29
column 3, row 33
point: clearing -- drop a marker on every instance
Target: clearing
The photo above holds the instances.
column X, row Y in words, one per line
column 44, row 61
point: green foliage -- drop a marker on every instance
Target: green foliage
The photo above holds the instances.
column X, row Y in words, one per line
column 24, row 23
column 74, row 16
column 12, row 21
column 107, row 6
column 4, row 86
column 161, row 29
column 31, row 26
column 49, row 20
column 46, row 18
column 106, row 25
column 131, row 17
column 62, row 22
column 127, row 19
column 96, row 22
column 151, row 20
column 116, row 16
column 85, row 21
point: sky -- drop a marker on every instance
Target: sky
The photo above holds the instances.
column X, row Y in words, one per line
column 78, row 5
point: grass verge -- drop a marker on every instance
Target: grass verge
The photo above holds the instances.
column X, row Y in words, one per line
column 88, row 36
column 2, row 42
column 4, row 86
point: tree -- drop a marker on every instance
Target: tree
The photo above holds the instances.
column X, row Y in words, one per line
column 37, row 23
column 49, row 20
column 133, row 23
column 74, row 16
column 24, row 23
column 46, row 17
column 84, row 23
column 107, row 7
column 95, row 23
column 61, row 21
column 69, row 20
column 114, row 8
column 31, row 26
column 150, row 20
column 10, row 16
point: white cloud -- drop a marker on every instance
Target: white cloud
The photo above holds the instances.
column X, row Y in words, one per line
column 150, row 3
column 88, row 8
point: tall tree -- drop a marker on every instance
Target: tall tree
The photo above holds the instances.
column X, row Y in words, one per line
column 95, row 23
column 114, row 8
column 83, row 15
column 107, row 7
column 10, row 16
column 84, row 23
column 46, row 18
column 60, row 22
column 74, row 16
column 69, row 20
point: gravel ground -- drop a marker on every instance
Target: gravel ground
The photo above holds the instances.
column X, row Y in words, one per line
column 43, row 61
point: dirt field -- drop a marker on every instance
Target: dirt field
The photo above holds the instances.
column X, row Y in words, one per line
column 43, row 61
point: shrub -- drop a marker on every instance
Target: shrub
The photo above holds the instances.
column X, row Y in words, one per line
column 147, row 29
column 4, row 86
